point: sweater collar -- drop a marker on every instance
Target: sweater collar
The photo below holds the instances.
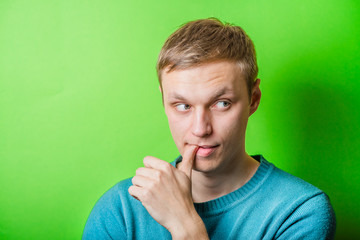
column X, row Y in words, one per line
column 227, row 201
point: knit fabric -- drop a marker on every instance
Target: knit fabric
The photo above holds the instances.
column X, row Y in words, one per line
column 271, row 205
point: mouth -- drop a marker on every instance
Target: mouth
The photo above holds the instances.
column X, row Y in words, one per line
column 206, row 150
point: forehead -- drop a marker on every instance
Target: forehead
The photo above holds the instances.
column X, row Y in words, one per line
column 204, row 79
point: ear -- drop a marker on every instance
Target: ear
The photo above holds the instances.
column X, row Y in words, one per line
column 255, row 97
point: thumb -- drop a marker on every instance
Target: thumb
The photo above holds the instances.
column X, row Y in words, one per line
column 188, row 159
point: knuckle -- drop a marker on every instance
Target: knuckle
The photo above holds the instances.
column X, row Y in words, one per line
column 152, row 185
column 145, row 159
column 130, row 190
column 134, row 180
column 146, row 195
column 138, row 171
column 167, row 167
column 158, row 175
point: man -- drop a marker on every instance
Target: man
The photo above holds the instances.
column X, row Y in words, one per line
column 214, row 190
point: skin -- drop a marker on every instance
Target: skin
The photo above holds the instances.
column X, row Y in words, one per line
column 207, row 109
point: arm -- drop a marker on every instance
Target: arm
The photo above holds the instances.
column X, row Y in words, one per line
column 314, row 219
column 165, row 192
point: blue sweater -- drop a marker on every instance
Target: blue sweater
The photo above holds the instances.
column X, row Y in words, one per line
column 272, row 205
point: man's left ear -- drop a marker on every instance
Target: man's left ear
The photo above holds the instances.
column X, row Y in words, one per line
column 255, row 97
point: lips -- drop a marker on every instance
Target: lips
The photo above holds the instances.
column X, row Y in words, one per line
column 205, row 151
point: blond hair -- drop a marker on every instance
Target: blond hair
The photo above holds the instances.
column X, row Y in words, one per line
column 208, row 40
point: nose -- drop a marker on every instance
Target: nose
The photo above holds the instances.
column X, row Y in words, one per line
column 201, row 126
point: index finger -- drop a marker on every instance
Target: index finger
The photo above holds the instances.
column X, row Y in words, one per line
column 155, row 163
column 188, row 160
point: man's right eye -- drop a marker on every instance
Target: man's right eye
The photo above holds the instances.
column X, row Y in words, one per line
column 182, row 107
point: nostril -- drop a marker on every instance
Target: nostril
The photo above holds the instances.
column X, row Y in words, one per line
column 202, row 130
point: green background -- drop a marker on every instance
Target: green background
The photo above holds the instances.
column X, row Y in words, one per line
column 80, row 106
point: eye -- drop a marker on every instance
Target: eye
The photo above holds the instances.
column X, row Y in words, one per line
column 182, row 107
column 222, row 104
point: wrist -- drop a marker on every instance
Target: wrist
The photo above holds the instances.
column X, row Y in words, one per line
column 191, row 228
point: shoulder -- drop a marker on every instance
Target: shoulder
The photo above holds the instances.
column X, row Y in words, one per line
column 106, row 219
column 286, row 186
column 313, row 218
column 115, row 197
column 302, row 209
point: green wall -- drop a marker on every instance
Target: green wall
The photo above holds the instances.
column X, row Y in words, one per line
column 80, row 106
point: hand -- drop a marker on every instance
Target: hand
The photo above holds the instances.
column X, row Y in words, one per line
column 165, row 192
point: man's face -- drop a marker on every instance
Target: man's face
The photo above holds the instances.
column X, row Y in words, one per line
column 208, row 106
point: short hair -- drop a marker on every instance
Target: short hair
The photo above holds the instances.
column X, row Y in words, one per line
column 208, row 40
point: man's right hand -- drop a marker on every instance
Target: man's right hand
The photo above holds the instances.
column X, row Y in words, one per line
column 165, row 192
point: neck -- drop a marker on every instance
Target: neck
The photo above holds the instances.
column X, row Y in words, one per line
column 208, row 186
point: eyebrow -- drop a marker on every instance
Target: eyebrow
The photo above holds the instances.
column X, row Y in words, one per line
column 221, row 91
column 176, row 96
column 217, row 94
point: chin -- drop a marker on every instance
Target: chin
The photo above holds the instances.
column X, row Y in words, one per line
column 205, row 165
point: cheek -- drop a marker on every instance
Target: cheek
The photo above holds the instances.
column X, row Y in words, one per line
column 233, row 125
column 178, row 127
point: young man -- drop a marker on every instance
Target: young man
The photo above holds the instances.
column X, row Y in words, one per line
column 214, row 190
